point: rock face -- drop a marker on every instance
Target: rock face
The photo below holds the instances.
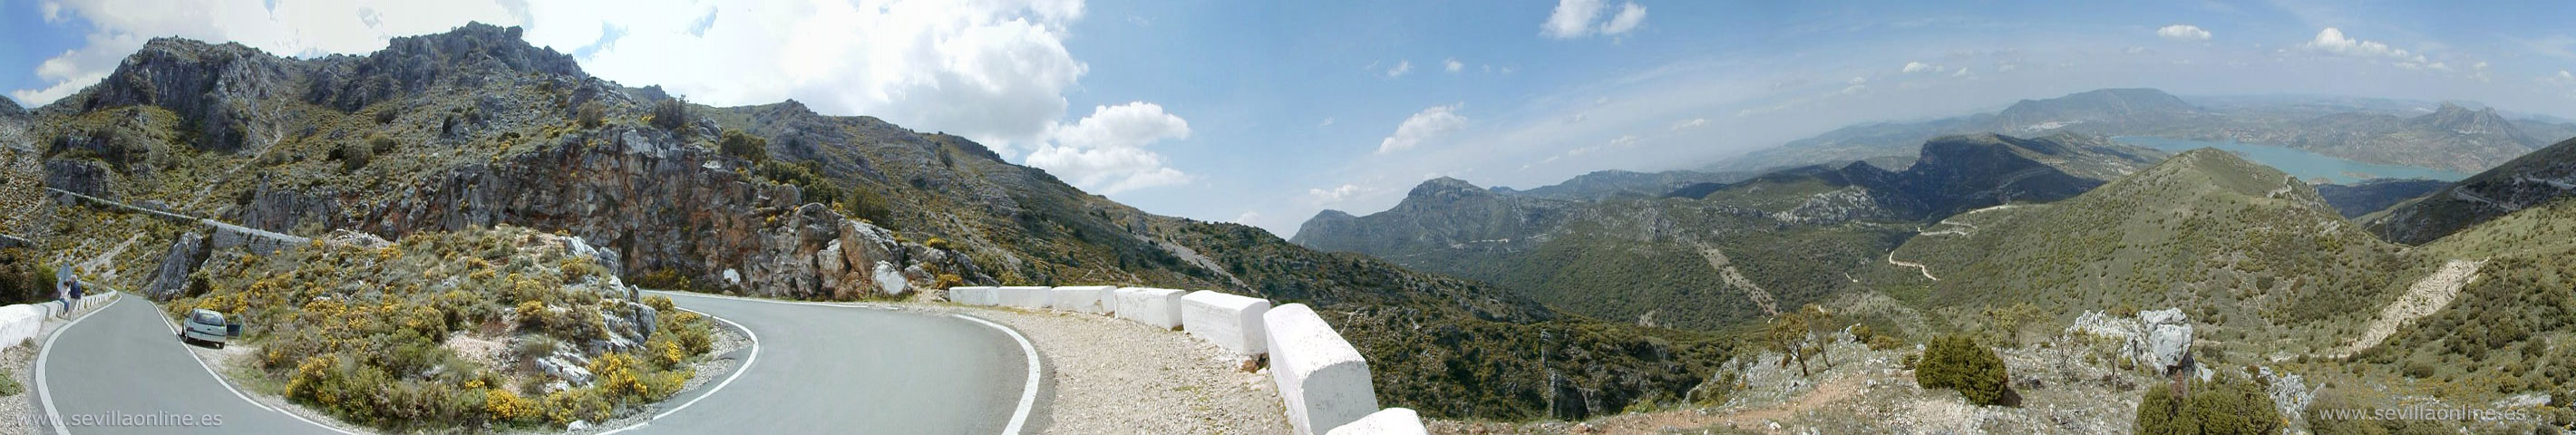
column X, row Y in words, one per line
column 668, row 207
column 415, row 63
column 2164, row 339
column 211, row 87
column 171, row 277
column 79, row 176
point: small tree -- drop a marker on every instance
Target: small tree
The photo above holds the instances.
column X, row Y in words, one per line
column 1820, row 325
column 1788, row 334
column 1957, row 362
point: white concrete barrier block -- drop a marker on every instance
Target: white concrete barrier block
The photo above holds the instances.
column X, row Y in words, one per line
column 1322, row 379
column 1232, row 322
column 1390, row 421
column 971, row 295
column 20, row 322
column 1160, row 307
column 1023, row 297
column 1081, row 299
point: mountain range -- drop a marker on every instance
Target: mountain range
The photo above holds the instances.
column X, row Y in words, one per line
column 1713, row 255
column 2445, row 136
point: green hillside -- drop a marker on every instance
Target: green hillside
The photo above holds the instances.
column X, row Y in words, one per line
column 2238, row 245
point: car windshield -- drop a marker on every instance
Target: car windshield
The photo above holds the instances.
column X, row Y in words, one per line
column 210, row 318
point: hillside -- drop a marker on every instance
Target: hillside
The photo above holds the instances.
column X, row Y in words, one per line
column 2444, row 136
column 2527, row 181
column 2252, row 250
column 2371, row 196
column 1714, row 255
column 475, row 128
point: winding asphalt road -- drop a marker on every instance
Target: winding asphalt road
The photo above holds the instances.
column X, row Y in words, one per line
column 815, row 368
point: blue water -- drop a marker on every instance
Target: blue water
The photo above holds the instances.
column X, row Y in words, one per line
column 2307, row 165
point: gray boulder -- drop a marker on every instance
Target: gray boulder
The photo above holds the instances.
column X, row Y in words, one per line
column 2164, row 338
column 171, row 278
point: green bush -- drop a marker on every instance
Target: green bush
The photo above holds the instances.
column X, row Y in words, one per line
column 1957, row 362
column 2228, row 405
column 744, row 145
column 670, row 114
column 24, row 278
column 9, row 386
column 591, row 115
column 353, row 156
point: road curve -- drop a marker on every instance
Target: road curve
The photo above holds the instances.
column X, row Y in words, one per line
column 816, row 369
column 122, row 370
column 841, row 369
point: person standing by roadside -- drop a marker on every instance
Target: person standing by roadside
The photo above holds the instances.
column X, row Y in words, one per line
column 63, row 292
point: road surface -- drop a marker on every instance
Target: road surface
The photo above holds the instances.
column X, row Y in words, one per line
column 814, row 369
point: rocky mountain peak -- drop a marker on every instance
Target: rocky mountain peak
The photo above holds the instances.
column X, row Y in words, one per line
column 2463, row 120
column 466, row 56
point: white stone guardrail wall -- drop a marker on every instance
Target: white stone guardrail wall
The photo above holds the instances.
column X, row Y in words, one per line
column 20, row 322
column 1322, row 379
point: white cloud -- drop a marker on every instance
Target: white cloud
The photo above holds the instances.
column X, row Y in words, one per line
column 1328, row 122
column 1454, row 65
column 1400, row 68
column 2478, row 71
column 1963, row 72
column 2006, row 66
column 1105, row 152
column 1580, row 18
column 2183, row 32
column 1689, row 124
column 288, row 27
column 1248, row 218
column 1916, row 67
column 1630, row 16
column 1425, row 125
column 1337, row 194
column 1572, row 19
column 2332, row 41
column 1857, row 80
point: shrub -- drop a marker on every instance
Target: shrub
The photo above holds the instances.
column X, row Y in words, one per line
column 660, row 304
column 387, row 115
column 591, row 115
column 507, row 406
column 352, row 156
column 24, row 278
column 9, row 386
column 1957, row 362
column 936, row 243
column 1882, row 342
column 744, row 145
column 670, row 114
column 867, row 204
column 2225, row 406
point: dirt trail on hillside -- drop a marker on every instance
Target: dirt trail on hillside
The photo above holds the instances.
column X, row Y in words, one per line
column 2425, row 297
column 1927, row 272
column 1725, row 269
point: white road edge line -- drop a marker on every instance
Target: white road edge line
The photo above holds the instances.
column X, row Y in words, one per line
column 1028, row 393
column 228, row 384
column 45, row 394
column 737, row 373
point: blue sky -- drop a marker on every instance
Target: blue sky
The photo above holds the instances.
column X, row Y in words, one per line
column 1266, row 113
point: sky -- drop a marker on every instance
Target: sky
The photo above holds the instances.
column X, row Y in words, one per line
column 1265, row 113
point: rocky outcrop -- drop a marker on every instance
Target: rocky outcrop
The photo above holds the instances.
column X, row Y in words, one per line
column 413, row 64
column 212, row 87
column 2157, row 340
column 282, row 210
column 2164, row 339
column 170, row 279
column 84, row 177
column 668, row 207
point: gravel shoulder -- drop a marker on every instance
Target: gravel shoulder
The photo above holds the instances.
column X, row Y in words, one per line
column 1112, row 376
